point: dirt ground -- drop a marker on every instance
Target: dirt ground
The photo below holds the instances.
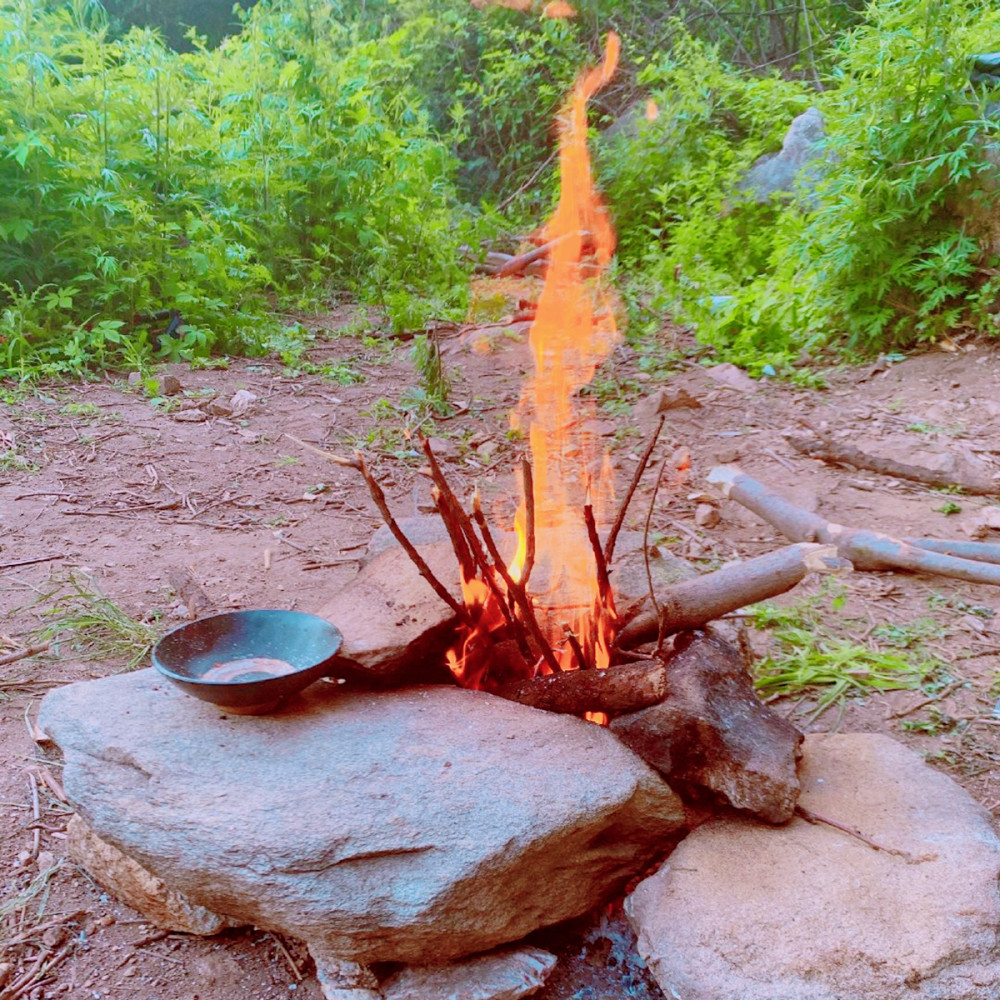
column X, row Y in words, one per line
column 111, row 490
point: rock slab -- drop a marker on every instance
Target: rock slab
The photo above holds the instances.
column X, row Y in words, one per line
column 806, row 912
column 413, row 826
column 712, row 737
column 500, row 975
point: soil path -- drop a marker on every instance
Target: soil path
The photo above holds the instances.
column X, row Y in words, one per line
column 119, row 492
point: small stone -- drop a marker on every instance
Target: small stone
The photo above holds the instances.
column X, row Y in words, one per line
column 445, row 449
column 169, row 385
column 706, row 515
column 219, row 408
column 45, row 861
column 190, row 416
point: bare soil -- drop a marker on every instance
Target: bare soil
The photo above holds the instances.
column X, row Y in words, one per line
column 117, row 491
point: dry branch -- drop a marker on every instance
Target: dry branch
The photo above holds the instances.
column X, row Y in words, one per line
column 869, row 550
column 609, row 546
column 359, row 464
column 826, row 449
column 693, row 603
column 625, row 688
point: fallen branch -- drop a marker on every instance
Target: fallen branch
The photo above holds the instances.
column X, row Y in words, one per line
column 826, row 449
column 625, row 688
column 23, row 654
column 976, row 551
column 29, row 562
column 867, row 550
column 691, row 604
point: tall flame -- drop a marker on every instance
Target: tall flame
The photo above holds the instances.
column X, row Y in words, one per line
column 573, row 332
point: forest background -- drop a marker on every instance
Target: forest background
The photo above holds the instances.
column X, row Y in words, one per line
column 298, row 152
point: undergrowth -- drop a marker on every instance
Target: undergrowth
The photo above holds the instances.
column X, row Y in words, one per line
column 814, row 661
column 87, row 621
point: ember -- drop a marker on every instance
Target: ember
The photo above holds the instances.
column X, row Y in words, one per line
column 573, row 332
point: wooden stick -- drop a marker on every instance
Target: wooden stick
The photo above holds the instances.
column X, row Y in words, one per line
column 574, row 644
column 36, row 811
column 21, row 654
column 515, row 589
column 693, row 603
column 870, row 550
column 469, row 552
column 603, row 583
column 528, row 485
column 827, row 449
column 29, row 562
column 522, row 260
column 811, row 817
column 415, row 557
column 625, row 688
column 976, row 551
column 609, row 546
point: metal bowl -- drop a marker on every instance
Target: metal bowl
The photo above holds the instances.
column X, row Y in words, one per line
column 248, row 662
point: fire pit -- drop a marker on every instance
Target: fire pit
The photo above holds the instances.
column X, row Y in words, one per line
column 248, row 662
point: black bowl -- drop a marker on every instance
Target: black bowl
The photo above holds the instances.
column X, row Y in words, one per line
column 247, row 662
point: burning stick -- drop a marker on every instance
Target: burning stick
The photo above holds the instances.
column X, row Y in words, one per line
column 528, row 485
column 516, row 590
column 603, row 583
column 609, row 546
column 359, row 464
column 574, row 644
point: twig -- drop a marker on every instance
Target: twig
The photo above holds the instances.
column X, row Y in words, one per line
column 529, row 182
column 645, row 540
column 22, row 654
column 528, row 485
column 359, row 464
column 522, row 260
column 29, row 562
column 36, row 811
column 811, row 817
column 609, row 547
column 287, row 956
column 42, row 928
column 515, row 589
column 943, row 693
column 603, row 583
column 574, row 644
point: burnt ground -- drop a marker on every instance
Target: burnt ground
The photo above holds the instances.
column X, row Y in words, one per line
column 123, row 488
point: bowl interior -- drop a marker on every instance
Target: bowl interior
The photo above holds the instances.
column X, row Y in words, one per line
column 245, row 647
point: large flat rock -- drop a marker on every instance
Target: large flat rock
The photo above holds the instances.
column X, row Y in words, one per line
column 413, row 826
column 742, row 911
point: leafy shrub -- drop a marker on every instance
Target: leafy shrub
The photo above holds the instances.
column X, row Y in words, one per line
column 135, row 181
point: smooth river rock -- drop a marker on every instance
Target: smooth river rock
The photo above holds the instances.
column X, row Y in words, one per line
column 743, row 911
column 411, row 826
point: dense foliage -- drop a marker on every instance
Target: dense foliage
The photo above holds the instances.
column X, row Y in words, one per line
column 355, row 146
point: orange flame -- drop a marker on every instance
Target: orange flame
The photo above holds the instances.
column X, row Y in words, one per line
column 573, row 332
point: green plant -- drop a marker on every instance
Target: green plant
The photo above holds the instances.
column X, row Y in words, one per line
column 949, row 507
column 809, row 659
column 88, row 621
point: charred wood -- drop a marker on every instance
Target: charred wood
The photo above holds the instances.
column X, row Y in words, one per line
column 624, row 688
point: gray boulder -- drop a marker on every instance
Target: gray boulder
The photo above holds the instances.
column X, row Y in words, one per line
column 808, row 912
column 798, row 164
column 413, row 826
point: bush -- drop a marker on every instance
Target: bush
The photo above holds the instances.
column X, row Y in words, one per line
column 135, row 181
